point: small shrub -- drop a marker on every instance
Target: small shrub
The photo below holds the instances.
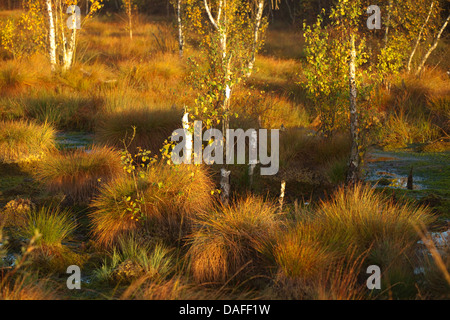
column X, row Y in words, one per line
column 160, row 202
column 22, row 141
column 78, row 173
column 15, row 212
column 232, row 240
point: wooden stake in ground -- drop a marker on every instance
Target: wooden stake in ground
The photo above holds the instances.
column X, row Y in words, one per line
column 188, row 137
column 409, row 183
column 253, row 150
column 281, row 199
column 225, row 185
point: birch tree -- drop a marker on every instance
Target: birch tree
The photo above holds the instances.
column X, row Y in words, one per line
column 129, row 7
column 51, row 35
column 63, row 30
column 231, row 33
column 179, row 9
column 431, row 49
column 335, row 54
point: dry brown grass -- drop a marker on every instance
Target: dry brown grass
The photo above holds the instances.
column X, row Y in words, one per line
column 153, row 126
column 22, row 141
column 165, row 198
column 22, row 288
column 230, row 241
column 78, row 173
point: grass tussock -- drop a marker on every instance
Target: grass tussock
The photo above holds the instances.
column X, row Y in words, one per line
column 153, row 127
column 46, row 230
column 78, row 173
column 52, row 224
column 23, row 141
column 300, row 253
column 340, row 281
column 231, row 241
column 132, row 259
column 361, row 218
column 313, row 159
column 160, row 202
column 64, row 110
column 26, row 288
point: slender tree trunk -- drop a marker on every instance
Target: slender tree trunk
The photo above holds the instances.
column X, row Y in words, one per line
column 419, row 37
column 256, row 29
column 180, row 29
column 70, row 52
column 388, row 23
column 352, row 175
column 291, row 14
column 130, row 26
column 425, row 58
column 51, row 36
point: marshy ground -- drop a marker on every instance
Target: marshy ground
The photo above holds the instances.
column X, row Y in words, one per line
column 141, row 229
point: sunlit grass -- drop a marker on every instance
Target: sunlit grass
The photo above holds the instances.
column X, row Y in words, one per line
column 161, row 203
column 231, row 241
column 132, row 259
column 153, row 127
column 22, row 141
column 78, row 173
column 53, row 224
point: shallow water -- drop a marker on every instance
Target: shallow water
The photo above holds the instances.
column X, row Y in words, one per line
column 390, row 169
column 74, row 140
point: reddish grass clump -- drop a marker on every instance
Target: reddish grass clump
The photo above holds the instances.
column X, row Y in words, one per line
column 160, row 202
column 232, row 241
column 152, row 128
column 78, row 173
column 22, row 141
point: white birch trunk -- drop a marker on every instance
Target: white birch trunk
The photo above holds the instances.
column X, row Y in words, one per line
column 258, row 18
column 418, row 38
column 425, row 58
column 130, row 22
column 188, row 136
column 51, row 36
column 180, row 29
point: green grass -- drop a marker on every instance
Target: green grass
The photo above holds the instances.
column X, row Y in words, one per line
column 132, row 259
column 53, row 225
